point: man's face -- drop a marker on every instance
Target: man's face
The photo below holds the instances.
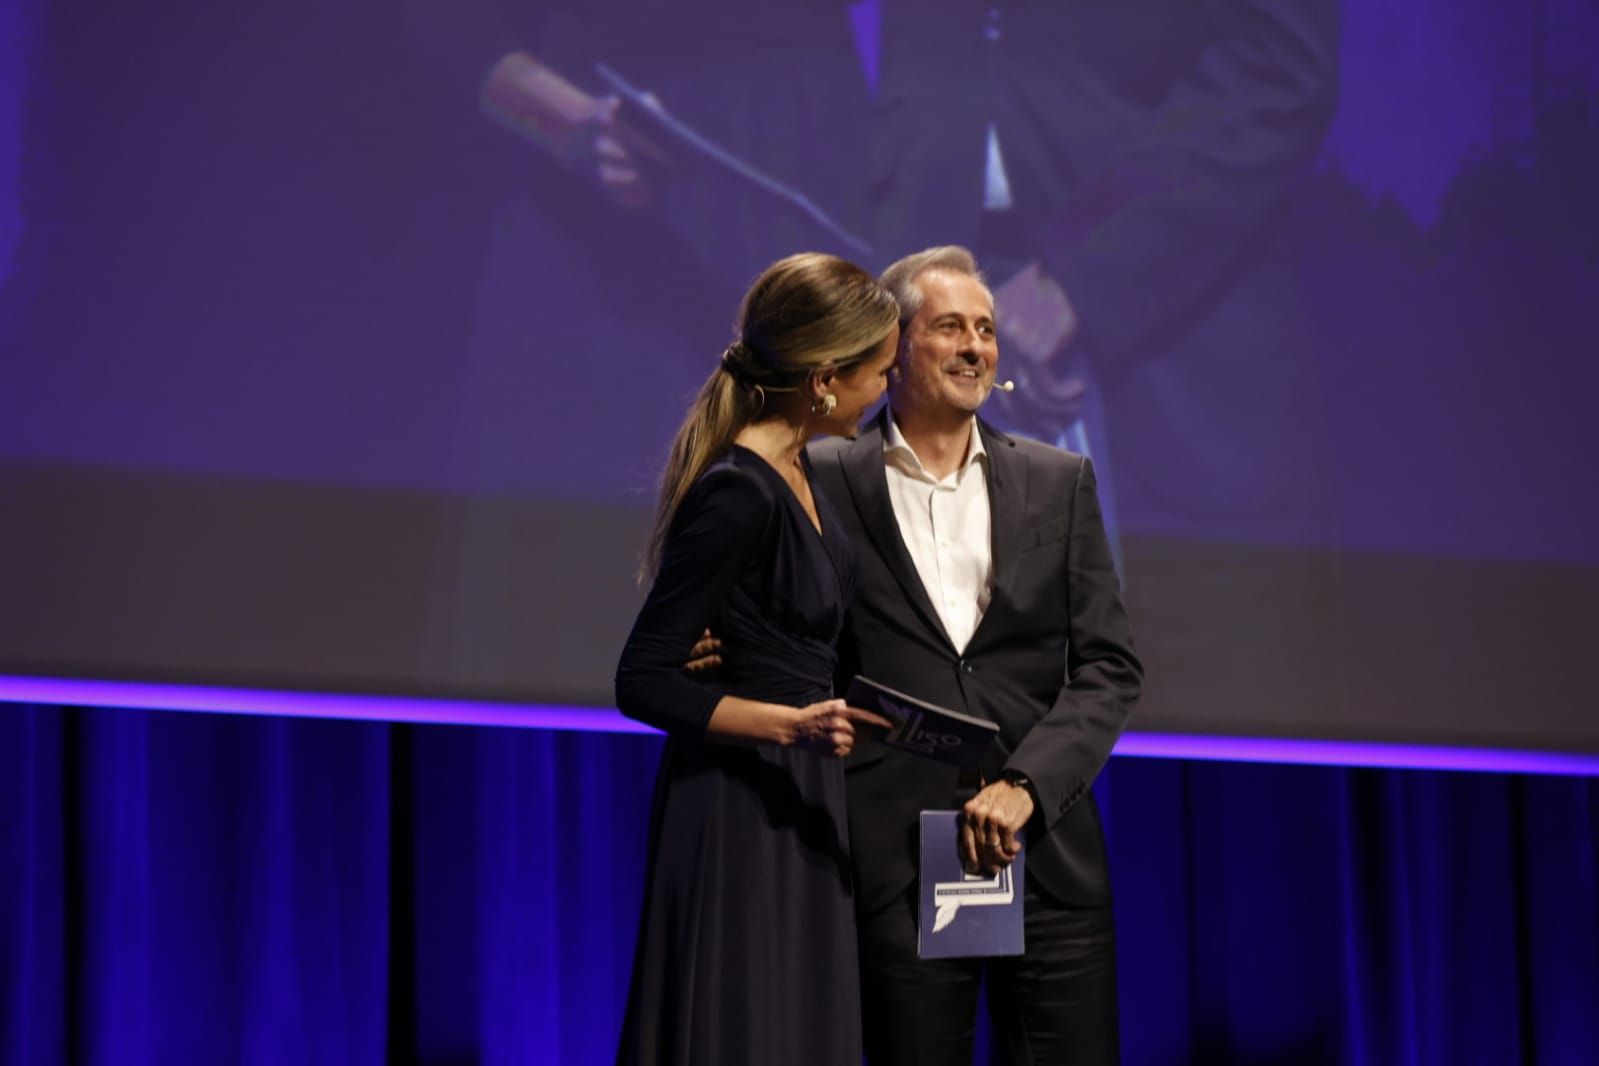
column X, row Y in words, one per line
column 949, row 350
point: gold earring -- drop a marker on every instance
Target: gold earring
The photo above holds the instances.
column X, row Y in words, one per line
column 824, row 406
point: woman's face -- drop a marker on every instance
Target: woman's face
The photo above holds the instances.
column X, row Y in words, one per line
column 859, row 387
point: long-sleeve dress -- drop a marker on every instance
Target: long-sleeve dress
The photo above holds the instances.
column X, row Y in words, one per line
column 746, row 947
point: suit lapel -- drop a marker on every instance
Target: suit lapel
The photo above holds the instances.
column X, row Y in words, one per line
column 1007, row 499
column 868, row 485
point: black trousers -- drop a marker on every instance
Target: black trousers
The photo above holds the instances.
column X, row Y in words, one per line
column 1054, row 1005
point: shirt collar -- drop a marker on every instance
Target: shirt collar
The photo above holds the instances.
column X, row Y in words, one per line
column 896, row 449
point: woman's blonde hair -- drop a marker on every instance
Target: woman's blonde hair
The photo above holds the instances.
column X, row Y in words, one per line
column 804, row 313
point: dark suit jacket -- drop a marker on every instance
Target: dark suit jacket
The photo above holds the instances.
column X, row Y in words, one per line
column 1052, row 661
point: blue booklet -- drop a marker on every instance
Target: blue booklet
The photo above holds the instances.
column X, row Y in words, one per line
column 923, row 728
column 962, row 915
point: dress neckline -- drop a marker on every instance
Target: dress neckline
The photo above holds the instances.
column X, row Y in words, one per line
column 815, row 526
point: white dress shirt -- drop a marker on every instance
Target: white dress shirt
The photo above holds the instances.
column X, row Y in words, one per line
column 945, row 525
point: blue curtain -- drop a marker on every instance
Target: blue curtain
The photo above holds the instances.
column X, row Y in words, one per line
column 181, row 888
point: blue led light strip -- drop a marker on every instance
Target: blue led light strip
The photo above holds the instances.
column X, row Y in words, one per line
column 134, row 695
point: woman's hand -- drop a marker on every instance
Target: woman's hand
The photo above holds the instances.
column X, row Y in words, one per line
column 829, row 727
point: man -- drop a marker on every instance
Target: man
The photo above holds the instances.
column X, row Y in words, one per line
column 985, row 583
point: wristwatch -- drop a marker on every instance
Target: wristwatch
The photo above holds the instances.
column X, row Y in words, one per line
column 1020, row 780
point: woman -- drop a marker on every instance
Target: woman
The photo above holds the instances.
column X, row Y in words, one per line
column 746, row 949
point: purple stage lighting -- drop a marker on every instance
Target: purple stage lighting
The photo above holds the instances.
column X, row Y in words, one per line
column 169, row 697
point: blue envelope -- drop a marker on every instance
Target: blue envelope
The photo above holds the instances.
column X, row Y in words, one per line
column 961, row 915
column 922, row 728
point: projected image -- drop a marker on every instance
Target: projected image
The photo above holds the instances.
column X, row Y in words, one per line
column 342, row 347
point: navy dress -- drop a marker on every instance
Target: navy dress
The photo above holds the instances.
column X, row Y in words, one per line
column 746, row 948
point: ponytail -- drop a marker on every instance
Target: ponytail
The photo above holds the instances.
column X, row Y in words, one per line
column 721, row 410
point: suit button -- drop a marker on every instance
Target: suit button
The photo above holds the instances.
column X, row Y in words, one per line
column 966, row 667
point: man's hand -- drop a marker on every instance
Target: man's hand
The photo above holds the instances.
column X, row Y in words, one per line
column 991, row 819
column 580, row 130
column 1036, row 325
column 1036, row 320
column 704, row 656
column 614, row 166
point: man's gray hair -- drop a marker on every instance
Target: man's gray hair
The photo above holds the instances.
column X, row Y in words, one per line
column 900, row 279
